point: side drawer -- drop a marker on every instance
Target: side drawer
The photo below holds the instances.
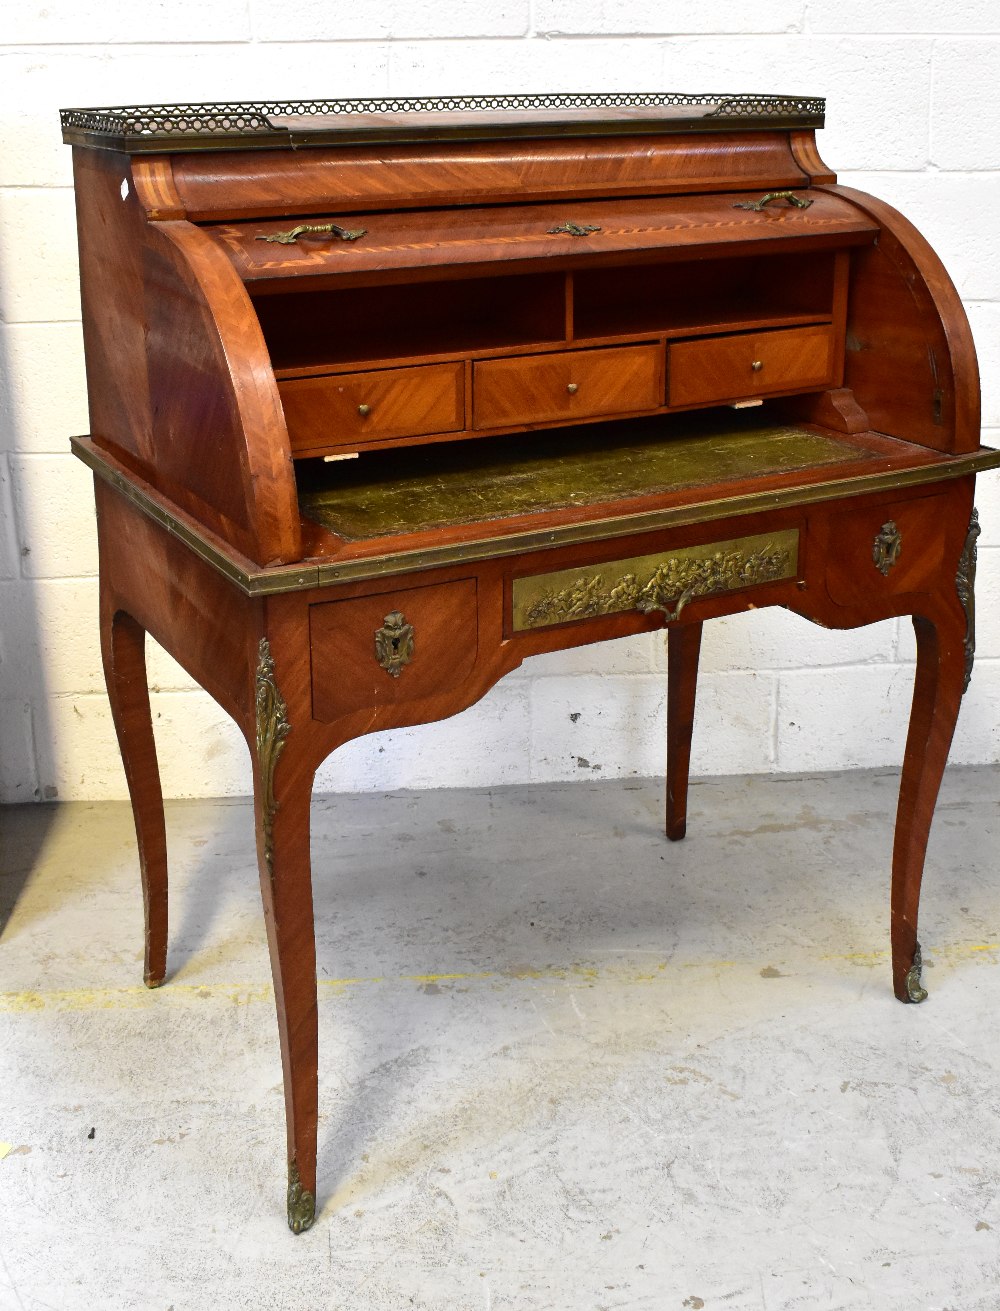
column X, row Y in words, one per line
column 354, row 409
column 393, row 647
column 663, row 582
column 749, row 365
column 566, row 385
column 887, row 548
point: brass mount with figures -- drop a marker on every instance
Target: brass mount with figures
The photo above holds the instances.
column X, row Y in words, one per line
column 390, row 395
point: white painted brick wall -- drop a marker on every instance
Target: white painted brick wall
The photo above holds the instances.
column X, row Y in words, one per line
column 914, row 116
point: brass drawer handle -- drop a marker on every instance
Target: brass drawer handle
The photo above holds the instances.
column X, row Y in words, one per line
column 364, row 410
column 757, row 365
column 798, row 202
column 572, row 388
column 571, row 229
column 394, row 643
column 334, row 229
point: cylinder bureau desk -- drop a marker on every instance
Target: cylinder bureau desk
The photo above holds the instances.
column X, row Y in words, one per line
column 387, row 395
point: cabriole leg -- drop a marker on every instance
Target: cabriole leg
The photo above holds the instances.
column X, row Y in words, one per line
column 683, row 648
column 282, row 794
column 123, row 647
column 937, row 695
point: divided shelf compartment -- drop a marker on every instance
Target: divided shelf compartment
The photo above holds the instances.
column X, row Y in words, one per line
column 411, row 362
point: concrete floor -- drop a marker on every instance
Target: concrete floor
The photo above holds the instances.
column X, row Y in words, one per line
column 564, row 1064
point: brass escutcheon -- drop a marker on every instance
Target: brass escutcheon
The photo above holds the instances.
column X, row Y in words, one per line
column 798, row 202
column 394, row 643
column 887, row 547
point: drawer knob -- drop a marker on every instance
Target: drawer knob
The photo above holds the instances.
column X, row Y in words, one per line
column 572, row 388
column 394, row 643
column 757, row 365
column 364, row 410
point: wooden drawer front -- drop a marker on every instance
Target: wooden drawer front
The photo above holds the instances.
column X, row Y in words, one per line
column 753, row 364
column 363, row 655
column 353, row 409
column 567, row 385
column 665, row 582
column 887, row 548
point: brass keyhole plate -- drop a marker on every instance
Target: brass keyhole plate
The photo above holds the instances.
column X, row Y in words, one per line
column 394, row 643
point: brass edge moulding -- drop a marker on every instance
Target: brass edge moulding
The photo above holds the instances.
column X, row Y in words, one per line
column 400, row 562
column 303, row 577
column 654, row 582
column 285, row 578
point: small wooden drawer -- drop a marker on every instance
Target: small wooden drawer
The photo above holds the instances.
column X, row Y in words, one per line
column 566, row 385
column 355, row 409
column 394, row 647
column 749, row 365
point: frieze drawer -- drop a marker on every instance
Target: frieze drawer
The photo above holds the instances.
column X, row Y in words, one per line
column 663, row 582
column 751, row 364
column 357, row 409
column 566, row 385
column 391, row 647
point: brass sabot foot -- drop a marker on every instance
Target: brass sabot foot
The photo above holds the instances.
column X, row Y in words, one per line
column 915, row 991
column 301, row 1204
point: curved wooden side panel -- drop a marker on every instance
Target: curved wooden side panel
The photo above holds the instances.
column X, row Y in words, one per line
column 806, row 154
column 111, row 227
column 220, row 445
column 153, row 180
column 910, row 357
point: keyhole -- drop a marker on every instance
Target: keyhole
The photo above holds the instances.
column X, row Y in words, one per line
column 395, row 644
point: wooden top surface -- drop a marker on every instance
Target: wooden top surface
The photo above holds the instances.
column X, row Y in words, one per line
column 421, row 239
column 139, row 129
